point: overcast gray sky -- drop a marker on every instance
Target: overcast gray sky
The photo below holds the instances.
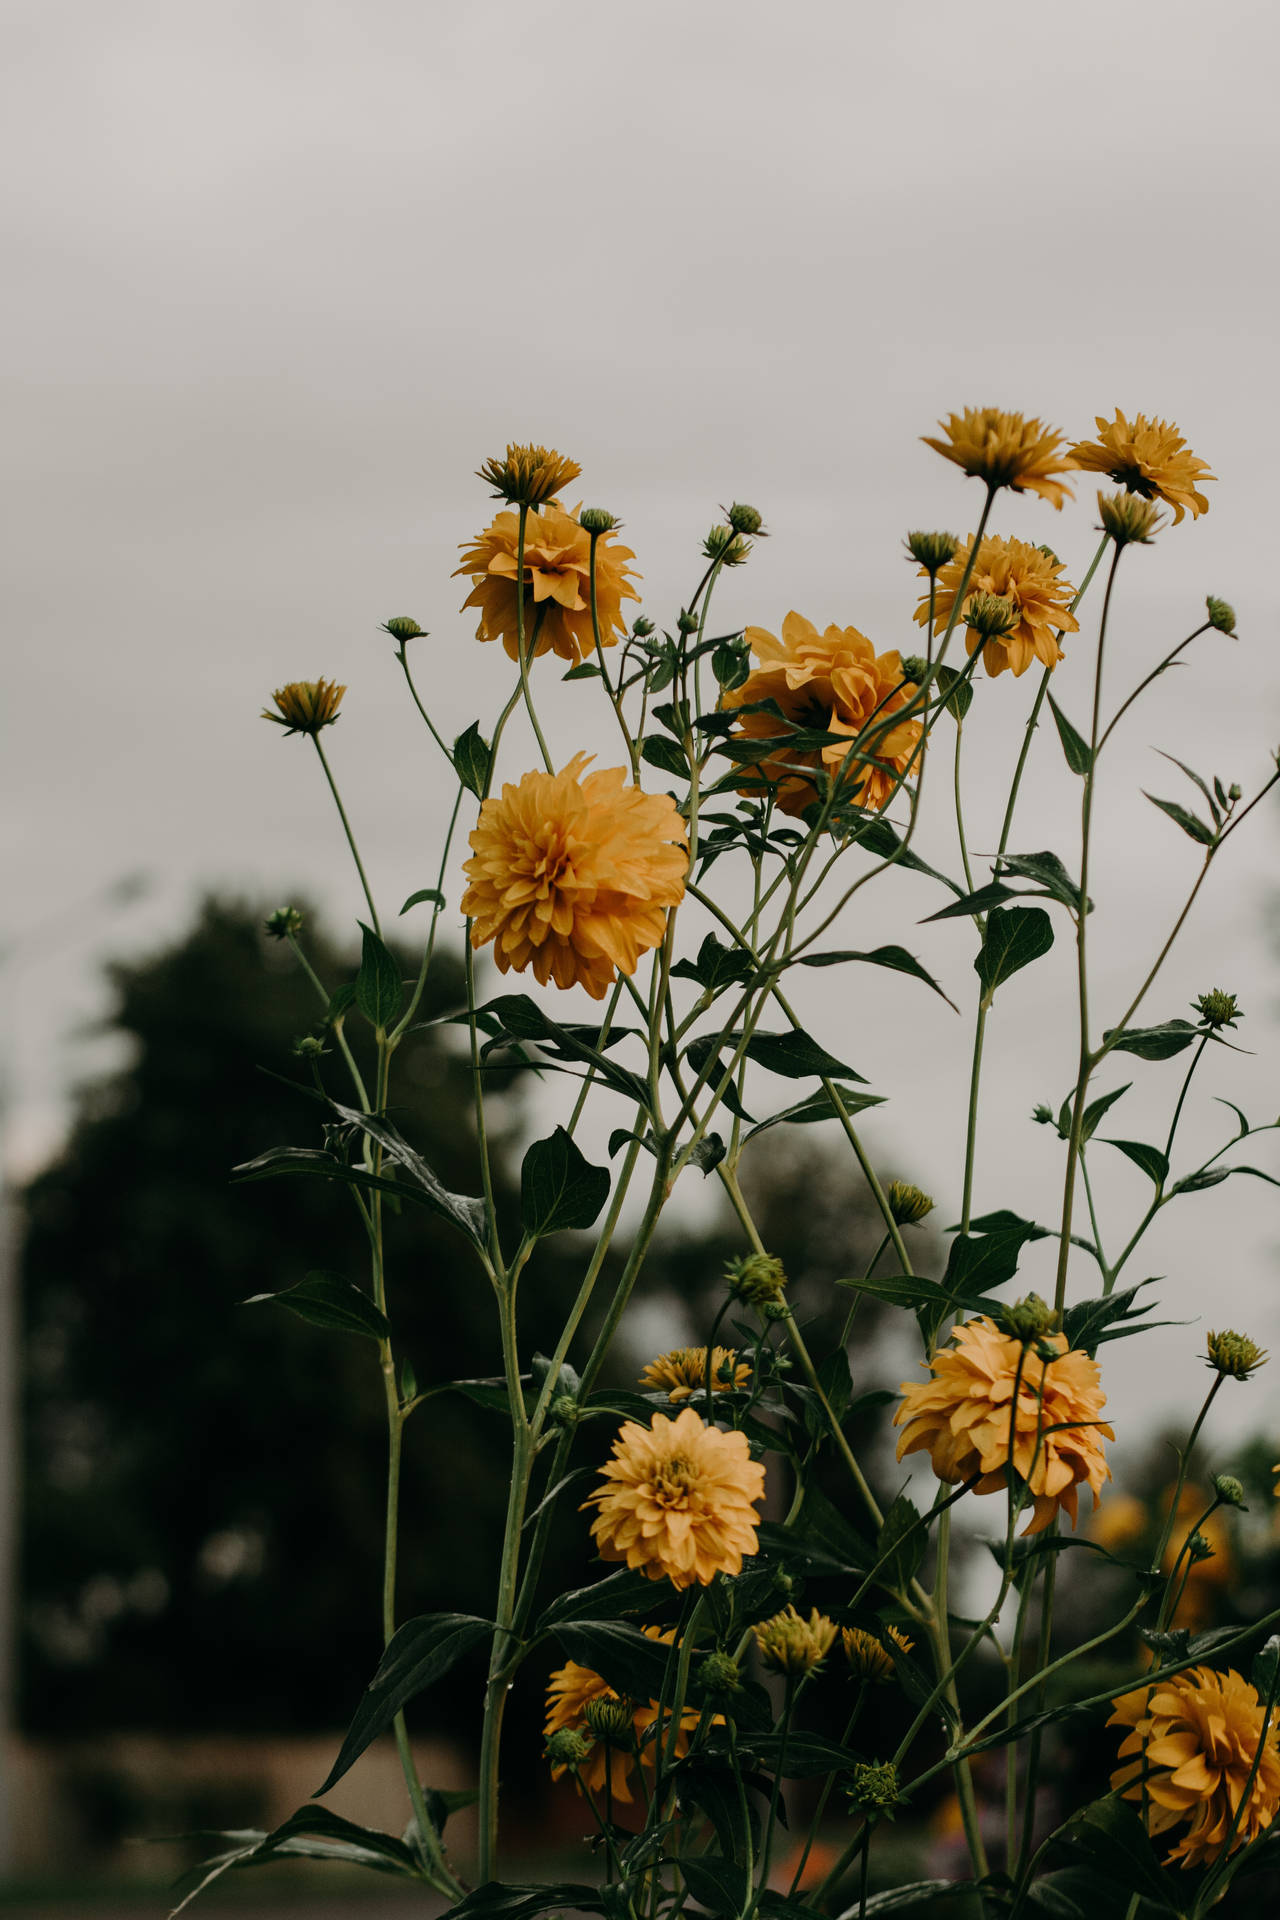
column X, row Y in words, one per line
column 280, row 274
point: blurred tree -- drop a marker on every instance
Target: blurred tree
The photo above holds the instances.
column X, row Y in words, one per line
column 204, row 1481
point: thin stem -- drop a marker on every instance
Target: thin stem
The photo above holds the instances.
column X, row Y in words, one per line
column 346, row 827
column 431, row 728
column 522, row 650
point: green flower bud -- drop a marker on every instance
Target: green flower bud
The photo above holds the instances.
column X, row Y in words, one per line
column 915, row 668
column 1129, row 519
column 1029, row 1319
column 1234, row 1355
column 744, row 519
column 719, row 1675
column 726, row 546
column 1043, row 1116
column 567, row 1748
column 991, row 614
column 598, row 520
column 642, row 627
column 1229, row 1491
column 1221, row 616
column 611, row 1721
column 687, row 622
column 1198, row 1548
column 283, row 922
column 873, row 1786
column 565, row 1411
column 907, row 1204
column 758, row 1278
column 1217, row 1009
column 402, row 628
column 932, row 551
column 308, row 1047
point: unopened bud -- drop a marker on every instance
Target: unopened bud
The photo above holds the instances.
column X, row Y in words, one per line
column 726, row 546
column 401, row 628
column 758, row 1278
column 1234, row 1355
column 931, row 551
column 642, row 627
column 874, row 1787
column 1217, row 1009
column 1221, row 615
column 915, row 668
column 1198, row 1548
column 308, row 1047
column 566, row 1747
column 611, row 1721
column 1129, row 519
column 907, row 1204
column 597, row 520
column 719, row 1675
column 1229, row 1491
column 991, row 614
column 1029, row 1319
column 687, row 622
column 283, row 922
column 1042, row 1115
column 565, row 1410
column 745, row 519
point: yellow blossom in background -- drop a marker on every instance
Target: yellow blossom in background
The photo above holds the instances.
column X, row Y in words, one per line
column 1006, row 450
column 1121, row 1520
column 529, row 474
column 684, row 1370
column 790, row 1644
column 1194, row 1737
column 557, row 584
column 1149, row 457
column 868, row 1656
column 573, row 1688
column 836, row 682
column 678, row 1500
column 572, row 875
column 964, row 1412
column 305, row 706
column 1014, row 570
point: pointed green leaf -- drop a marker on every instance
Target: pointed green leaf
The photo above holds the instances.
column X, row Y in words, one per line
column 1189, row 822
column 957, row 691
column 818, row 1106
column 433, row 894
column 1048, row 871
column 1154, row 1043
column 1094, row 1112
column 585, row 670
column 667, row 755
column 559, row 1188
column 796, row 1056
column 895, row 958
column 501, row 1900
column 1152, row 1161
column 330, row 1300
column 379, row 988
column 417, row 1655
column 979, row 901
column 1015, row 936
column 628, row 1659
column 900, row 1544
column 1078, row 753
column 465, row 1211
column 471, row 759
column 717, row 966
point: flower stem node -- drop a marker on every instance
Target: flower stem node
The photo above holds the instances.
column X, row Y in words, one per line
column 305, row 706
column 1229, row 1491
column 726, row 546
column 598, row 520
column 283, row 924
column 757, row 1278
column 1029, row 1320
column 791, row 1645
column 745, row 519
column 719, row 1676
column 1234, row 1355
column 908, row 1204
column 402, row 628
column 990, row 615
column 1221, row 615
column 1217, row 1009
column 528, row 475
column 566, row 1747
column 611, row 1721
column 931, row 551
column 873, row 1787
column 1129, row 519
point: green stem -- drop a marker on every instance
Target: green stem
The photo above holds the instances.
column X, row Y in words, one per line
column 521, row 648
column 404, row 664
column 346, row 828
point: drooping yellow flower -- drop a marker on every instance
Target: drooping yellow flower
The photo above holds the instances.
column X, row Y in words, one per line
column 964, row 1413
column 557, row 584
column 529, row 474
column 834, row 681
column 574, row 1688
column 678, row 1500
column 305, row 706
column 1005, row 450
column 572, row 874
column 1149, row 457
column 683, row 1371
column 1194, row 1736
column 869, row 1658
column 792, row 1645
column 1017, row 571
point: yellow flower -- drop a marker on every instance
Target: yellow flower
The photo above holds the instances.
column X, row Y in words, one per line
column 834, row 681
column 1149, row 457
column 529, row 475
column 791, row 1644
column 1005, row 450
column 1017, row 571
column 684, row 1370
column 868, row 1656
column 964, row 1412
column 557, row 584
column 306, row 705
column 572, row 874
column 1119, row 1521
column 573, row 1688
column 677, row 1500
column 1194, row 1736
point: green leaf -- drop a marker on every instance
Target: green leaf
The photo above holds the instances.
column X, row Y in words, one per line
column 900, row 1544
column 329, row 1300
column 976, row 1262
column 379, row 988
column 667, row 755
column 720, row 1885
column 1151, row 1160
column 717, row 966
column 515, row 1017
column 626, row 1591
column 503, row 1900
column 1090, row 1322
column 819, row 1106
column 1264, row 1674
column 466, row 1212
column 1154, row 1043
column 471, row 759
column 433, row 894
column 585, row 670
column 628, row 1659
column 922, row 1896
column 340, row 1001
column 992, row 895
column 1015, row 937
column 311, row 1833
column 957, row 691
column 1078, row 754
column 896, row 958
column 731, row 666
column 1094, row 1112
column 1112, row 1836
column 1189, row 822
column 461, row 1211
column 878, row 836
column 417, row 1655
column 822, row 1529
column 806, row 1755
column 559, row 1188
column 1048, row 871
column 1198, row 1182
column 796, row 1056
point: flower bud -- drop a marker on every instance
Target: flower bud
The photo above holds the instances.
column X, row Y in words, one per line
column 305, row 706
column 401, row 628
column 932, row 551
column 719, row 1675
column 1234, row 1355
column 726, row 546
column 873, row 1785
column 1217, row 1009
column 1221, row 615
column 308, row 1047
column 567, row 1748
column 611, row 1721
column 745, row 519
column 1234, row 791
column 869, row 1658
column 565, row 1410
column 687, row 622
column 1042, row 1115
column 1129, row 519
column 907, row 1204
column 284, row 922
column 758, row 1278
column 1198, row 1548
column 598, row 520
column 991, row 614
column 1229, row 1491
column 1029, row 1319
column 643, row 627
column 529, row 474
column 915, row 668
column 792, row 1645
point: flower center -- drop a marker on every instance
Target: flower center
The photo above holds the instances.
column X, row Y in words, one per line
column 674, row 1481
